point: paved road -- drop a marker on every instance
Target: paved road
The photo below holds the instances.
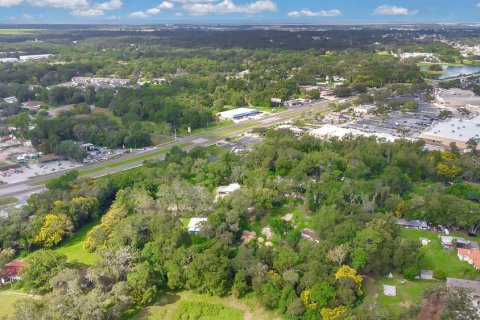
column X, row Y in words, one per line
column 22, row 190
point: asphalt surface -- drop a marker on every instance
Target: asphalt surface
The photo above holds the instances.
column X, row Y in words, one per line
column 23, row 189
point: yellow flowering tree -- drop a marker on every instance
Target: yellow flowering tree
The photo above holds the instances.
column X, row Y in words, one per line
column 333, row 314
column 54, row 229
column 348, row 272
column 446, row 168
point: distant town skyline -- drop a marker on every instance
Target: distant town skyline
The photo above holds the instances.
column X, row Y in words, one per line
column 238, row 11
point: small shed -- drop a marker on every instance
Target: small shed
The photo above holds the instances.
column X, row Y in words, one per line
column 390, row 291
column 426, row 275
column 425, row 241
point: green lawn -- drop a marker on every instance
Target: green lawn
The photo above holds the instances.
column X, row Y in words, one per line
column 408, row 293
column 18, row 31
column 233, row 130
column 73, row 247
column 190, row 306
column 160, row 139
column 436, row 257
column 210, row 127
column 7, row 301
column 7, row 201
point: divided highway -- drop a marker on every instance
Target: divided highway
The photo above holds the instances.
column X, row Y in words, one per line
column 23, row 189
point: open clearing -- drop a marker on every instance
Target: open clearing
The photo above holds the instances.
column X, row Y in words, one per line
column 18, row 31
column 73, row 247
column 189, row 306
column 7, row 300
column 408, row 293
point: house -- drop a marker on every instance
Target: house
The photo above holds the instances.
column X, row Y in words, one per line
column 470, row 255
column 412, row 224
column 224, row 190
column 309, row 234
column 11, row 100
column 195, row 224
column 473, row 287
column 12, row 271
column 453, row 242
column 32, row 105
column 276, row 102
column 390, row 291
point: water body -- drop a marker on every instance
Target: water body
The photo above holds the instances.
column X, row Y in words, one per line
column 454, row 71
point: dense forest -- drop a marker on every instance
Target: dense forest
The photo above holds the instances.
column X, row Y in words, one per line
column 348, row 192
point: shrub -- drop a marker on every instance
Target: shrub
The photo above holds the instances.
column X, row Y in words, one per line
column 439, row 274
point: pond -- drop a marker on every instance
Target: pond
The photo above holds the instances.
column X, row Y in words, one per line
column 454, row 71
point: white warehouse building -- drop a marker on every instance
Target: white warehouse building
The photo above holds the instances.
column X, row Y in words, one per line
column 236, row 114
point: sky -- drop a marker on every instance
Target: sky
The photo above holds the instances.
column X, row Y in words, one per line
column 238, row 11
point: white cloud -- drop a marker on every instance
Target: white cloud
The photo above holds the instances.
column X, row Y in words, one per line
column 109, row 5
column 478, row 5
column 165, row 5
column 386, row 10
column 198, row 7
column 10, row 3
column 88, row 13
column 310, row 13
column 138, row 14
column 61, row 4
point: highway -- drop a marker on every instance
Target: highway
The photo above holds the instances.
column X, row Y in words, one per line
column 23, row 189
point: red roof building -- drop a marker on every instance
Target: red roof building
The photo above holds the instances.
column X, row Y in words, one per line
column 471, row 256
column 12, row 270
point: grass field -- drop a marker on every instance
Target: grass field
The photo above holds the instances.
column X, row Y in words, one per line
column 232, row 130
column 190, row 306
column 73, row 247
column 408, row 293
column 436, row 257
column 7, row 201
column 7, row 300
column 159, row 139
column 18, row 31
column 210, row 127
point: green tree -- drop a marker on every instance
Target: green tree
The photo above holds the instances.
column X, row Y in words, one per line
column 42, row 265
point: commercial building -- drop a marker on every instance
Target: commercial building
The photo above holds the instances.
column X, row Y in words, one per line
column 237, row 114
column 100, row 82
column 35, row 57
column 456, row 97
column 329, row 131
column 455, row 130
column 5, row 60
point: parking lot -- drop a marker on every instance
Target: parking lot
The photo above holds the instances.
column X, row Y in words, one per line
column 400, row 124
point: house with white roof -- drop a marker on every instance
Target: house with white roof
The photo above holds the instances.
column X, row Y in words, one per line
column 195, row 224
